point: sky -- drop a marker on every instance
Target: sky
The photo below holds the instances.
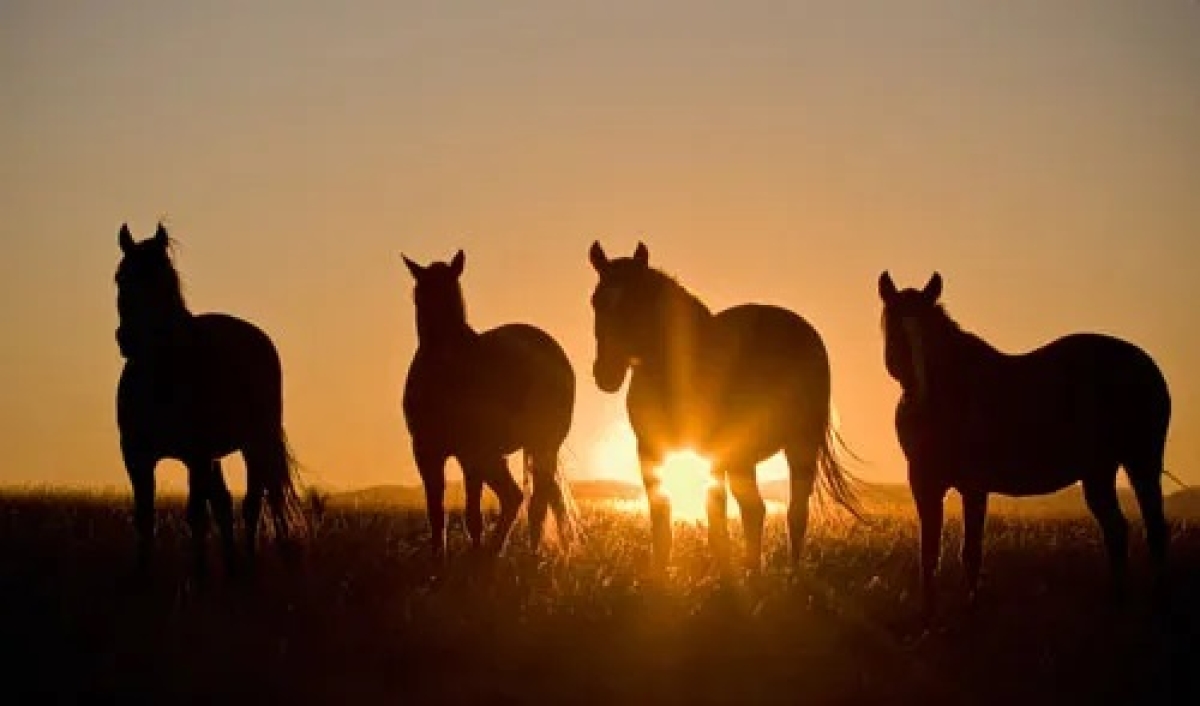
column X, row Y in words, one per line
column 1043, row 156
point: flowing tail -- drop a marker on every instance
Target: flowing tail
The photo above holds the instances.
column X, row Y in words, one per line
column 283, row 496
column 567, row 516
column 834, row 481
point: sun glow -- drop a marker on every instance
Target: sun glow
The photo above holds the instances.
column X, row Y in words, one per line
column 686, row 476
column 686, row 479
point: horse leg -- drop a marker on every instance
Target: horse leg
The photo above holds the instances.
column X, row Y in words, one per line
column 432, row 469
column 974, row 506
column 1147, row 484
column 717, row 508
column 802, row 474
column 199, row 489
column 252, row 509
column 754, row 512
column 544, row 489
column 1100, row 492
column 495, row 473
column 660, row 506
column 473, row 485
column 221, row 504
column 929, row 499
column 140, row 467
column 545, row 466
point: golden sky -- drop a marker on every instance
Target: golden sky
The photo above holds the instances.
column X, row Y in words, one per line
column 1043, row 156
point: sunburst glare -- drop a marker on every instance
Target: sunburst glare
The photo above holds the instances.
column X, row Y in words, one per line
column 686, row 475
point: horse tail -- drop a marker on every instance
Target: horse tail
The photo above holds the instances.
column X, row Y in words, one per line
column 567, row 522
column 283, row 493
column 572, row 531
column 834, row 481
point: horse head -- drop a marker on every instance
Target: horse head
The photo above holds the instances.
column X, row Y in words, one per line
column 149, row 295
column 623, row 313
column 441, row 310
column 909, row 316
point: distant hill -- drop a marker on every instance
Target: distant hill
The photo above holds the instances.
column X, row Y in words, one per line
column 1184, row 503
column 876, row 497
column 414, row 495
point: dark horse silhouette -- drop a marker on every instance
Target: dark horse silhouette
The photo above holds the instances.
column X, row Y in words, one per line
column 736, row 387
column 480, row 397
column 981, row 421
column 196, row 388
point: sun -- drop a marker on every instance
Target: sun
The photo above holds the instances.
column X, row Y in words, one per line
column 686, row 479
column 686, row 476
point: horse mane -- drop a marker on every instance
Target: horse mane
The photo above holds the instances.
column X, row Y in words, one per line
column 178, row 292
column 671, row 289
column 968, row 341
column 948, row 330
column 175, row 285
column 442, row 315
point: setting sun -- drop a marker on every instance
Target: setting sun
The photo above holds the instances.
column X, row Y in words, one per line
column 686, row 478
column 686, row 475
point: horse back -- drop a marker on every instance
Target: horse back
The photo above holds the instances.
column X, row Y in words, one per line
column 509, row 387
column 766, row 338
column 751, row 362
column 1036, row 422
column 223, row 376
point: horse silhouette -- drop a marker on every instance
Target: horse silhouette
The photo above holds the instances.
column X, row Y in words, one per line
column 981, row 421
column 479, row 397
column 737, row 387
column 195, row 388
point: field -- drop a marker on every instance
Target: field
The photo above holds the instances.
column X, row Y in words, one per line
column 359, row 618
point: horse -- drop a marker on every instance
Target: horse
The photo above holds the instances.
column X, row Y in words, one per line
column 736, row 387
column 982, row 421
column 479, row 397
column 196, row 388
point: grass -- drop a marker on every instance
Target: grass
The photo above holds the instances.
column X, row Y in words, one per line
column 359, row 618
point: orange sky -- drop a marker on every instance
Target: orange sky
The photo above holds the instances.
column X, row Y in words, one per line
column 1045, row 157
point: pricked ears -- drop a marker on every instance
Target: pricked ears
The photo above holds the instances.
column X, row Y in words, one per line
column 125, row 238
column 160, row 235
column 642, row 255
column 458, row 263
column 413, row 268
column 933, row 288
column 601, row 262
column 887, row 288
column 597, row 257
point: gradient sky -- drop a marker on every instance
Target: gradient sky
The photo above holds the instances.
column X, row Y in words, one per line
column 1043, row 156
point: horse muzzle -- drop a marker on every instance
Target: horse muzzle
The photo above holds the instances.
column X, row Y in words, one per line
column 609, row 378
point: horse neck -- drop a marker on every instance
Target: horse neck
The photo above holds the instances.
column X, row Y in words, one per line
column 166, row 316
column 148, row 338
column 959, row 356
column 438, row 329
column 684, row 323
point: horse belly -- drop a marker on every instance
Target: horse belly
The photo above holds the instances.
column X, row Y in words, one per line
column 1035, row 458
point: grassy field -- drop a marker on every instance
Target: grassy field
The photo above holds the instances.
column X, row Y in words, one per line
column 360, row 619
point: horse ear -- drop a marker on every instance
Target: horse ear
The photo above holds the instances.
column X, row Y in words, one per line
column 125, row 238
column 642, row 254
column 933, row 289
column 415, row 269
column 160, row 235
column 458, row 263
column 597, row 257
column 887, row 288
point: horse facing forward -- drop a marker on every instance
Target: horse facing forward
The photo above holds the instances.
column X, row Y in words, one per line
column 736, row 387
column 982, row 421
column 480, row 397
column 196, row 388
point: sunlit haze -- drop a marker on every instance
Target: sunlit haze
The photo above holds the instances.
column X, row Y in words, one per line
column 1044, row 157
